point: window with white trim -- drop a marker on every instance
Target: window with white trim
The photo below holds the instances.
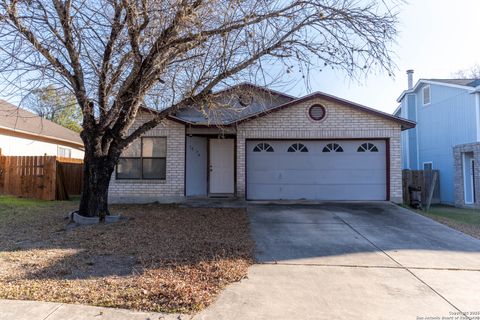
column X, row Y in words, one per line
column 332, row 147
column 426, row 95
column 144, row 159
column 64, row 152
column 367, row 147
column 428, row 166
column 297, row 147
column 263, row 147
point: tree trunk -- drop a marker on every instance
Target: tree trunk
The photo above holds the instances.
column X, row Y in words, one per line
column 97, row 172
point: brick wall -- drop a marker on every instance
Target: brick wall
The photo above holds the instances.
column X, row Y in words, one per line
column 290, row 123
column 458, row 152
column 169, row 190
column 340, row 122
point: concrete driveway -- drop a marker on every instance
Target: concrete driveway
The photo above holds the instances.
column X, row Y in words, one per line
column 353, row 261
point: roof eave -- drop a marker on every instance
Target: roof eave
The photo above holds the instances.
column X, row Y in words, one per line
column 52, row 138
column 426, row 81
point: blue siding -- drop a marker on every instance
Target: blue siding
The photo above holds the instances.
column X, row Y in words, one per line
column 412, row 134
column 447, row 121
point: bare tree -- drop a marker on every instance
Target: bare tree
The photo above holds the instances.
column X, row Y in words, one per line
column 471, row 73
column 117, row 55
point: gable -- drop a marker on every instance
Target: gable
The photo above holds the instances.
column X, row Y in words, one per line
column 338, row 117
column 467, row 85
column 332, row 100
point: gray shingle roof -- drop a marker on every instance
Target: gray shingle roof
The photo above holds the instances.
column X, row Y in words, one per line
column 461, row 82
column 228, row 107
column 264, row 101
column 17, row 119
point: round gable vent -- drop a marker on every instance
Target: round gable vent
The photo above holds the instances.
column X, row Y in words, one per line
column 317, row 112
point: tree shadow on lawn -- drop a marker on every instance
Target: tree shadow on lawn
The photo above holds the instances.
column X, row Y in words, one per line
column 161, row 258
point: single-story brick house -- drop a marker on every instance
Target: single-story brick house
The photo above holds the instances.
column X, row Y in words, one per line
column 266, row 146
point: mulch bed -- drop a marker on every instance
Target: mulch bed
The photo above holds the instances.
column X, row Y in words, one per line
column 162, row 258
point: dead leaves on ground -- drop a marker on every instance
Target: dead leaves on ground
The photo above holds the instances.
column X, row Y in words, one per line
column 162, row 258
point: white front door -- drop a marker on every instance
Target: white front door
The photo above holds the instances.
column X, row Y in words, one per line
column 221, row 166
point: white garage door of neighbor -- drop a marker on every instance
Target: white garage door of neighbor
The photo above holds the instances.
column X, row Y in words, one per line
column 316, row 170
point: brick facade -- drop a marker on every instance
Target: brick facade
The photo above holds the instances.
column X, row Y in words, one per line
column 340, row 122
column 458, row 153
column 169, row 190
column 290, row 123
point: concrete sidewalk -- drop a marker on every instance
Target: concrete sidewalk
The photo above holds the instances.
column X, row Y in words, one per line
column 36, row 310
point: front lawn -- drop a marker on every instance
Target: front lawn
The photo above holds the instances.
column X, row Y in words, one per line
column 465, row 220
column 163, row 258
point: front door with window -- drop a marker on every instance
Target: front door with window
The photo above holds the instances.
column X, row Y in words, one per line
column 469, row 177
column 221, row 166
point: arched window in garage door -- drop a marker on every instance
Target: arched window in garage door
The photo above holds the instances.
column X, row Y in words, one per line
column 332, row 147
column 297, row 147
column 263, row 147
column 367, row 147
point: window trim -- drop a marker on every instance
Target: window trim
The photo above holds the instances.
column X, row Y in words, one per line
column 316, row 118
column 429, row 95
column 264, row 148
column 141, row 158
column 364, row 150
column 336, row 147
column 427, row 162
column 65, row 149
column 297, row 147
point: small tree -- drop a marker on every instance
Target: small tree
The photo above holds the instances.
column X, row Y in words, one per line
column 117, row 55
column 55, row 105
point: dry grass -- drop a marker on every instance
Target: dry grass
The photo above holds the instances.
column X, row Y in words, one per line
column 163, row 258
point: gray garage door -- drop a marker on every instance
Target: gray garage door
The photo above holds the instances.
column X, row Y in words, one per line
column 316, row 170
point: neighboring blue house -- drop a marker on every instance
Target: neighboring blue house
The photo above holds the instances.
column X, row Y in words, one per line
column 447, row 112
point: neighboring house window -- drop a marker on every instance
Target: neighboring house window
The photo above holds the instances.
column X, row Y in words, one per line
column 426, row 95
column 64, row 152
column 367, row 147
column 145, row 158
column 427, row 166
column 332, row 147
column 263, row 147
column 297, row 147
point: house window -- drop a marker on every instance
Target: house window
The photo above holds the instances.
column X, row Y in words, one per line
column 367, row 147
column 426, row 95
column 64, row 152
column 145, row 158
column 297, row 147
column 428, row 166
column 317, row 112
column 332, row 147
column 263, row 147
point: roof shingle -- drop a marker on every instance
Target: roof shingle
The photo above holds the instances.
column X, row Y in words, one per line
column 17, row 119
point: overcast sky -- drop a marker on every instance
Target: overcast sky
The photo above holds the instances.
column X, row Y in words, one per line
column 436, row 38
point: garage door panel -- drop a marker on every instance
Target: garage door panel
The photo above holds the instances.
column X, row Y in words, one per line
column 324, row 176
column 318, row 161
column 324, row 192
column 316, row 175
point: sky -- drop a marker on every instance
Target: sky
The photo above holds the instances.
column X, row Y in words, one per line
column 436, row 38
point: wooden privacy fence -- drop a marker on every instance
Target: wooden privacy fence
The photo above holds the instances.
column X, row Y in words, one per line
column 427, row 180
column 41, row 177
